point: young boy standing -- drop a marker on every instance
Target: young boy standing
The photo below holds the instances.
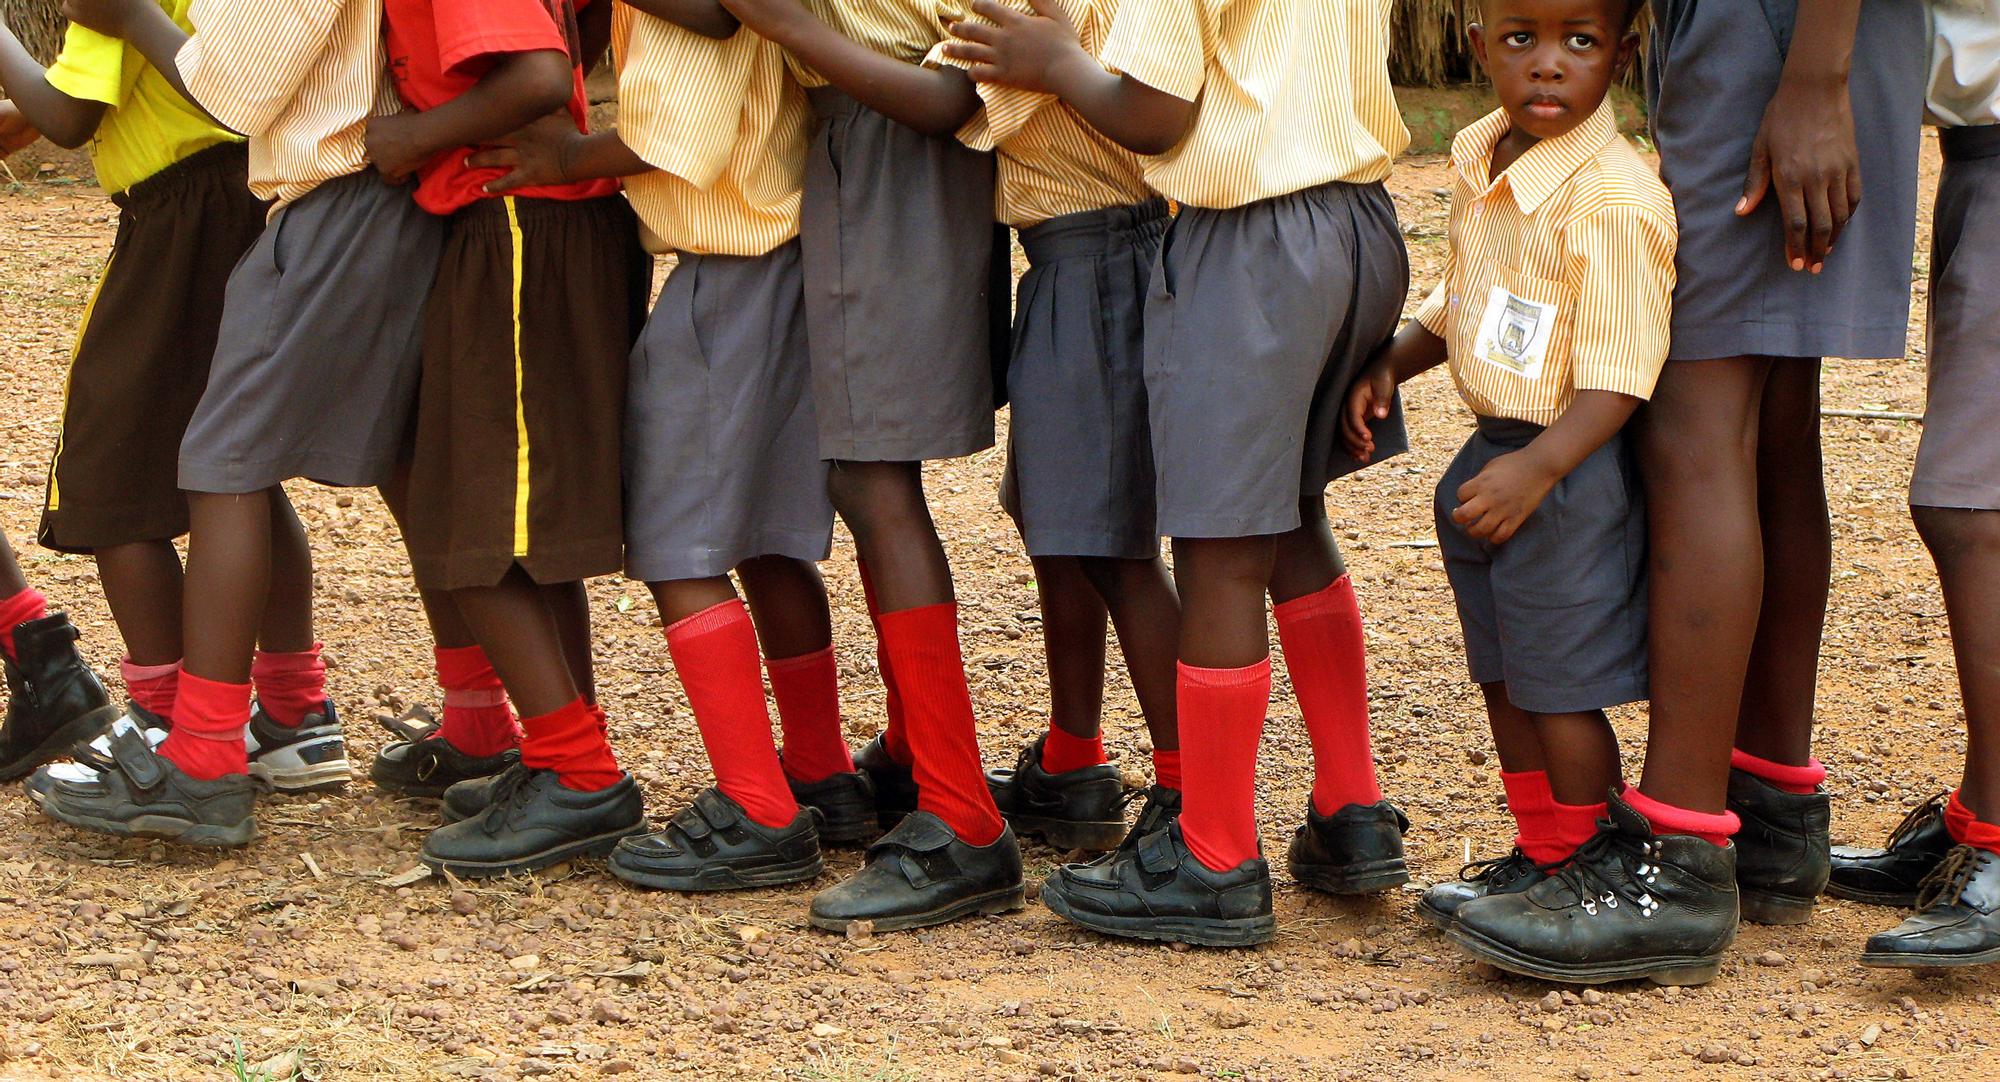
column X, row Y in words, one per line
column 1284, row 270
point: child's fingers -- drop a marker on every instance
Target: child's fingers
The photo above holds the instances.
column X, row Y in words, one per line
column 992, row 12
column 971, row 30
column 494, row 158
column 1758, row 181
column 985, row 55
column 508, row 183
column 1792, row 209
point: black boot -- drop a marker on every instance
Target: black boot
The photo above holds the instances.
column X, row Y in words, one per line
column 1077, row 809
column 894, row 784
column 921, row 874
column 845, row 803
column 54, row 700
column 1158, row 890
column 1510, row 874
column 1782, row 855
column 420, row 763
column 1356, row 850
column 714, row 845
column 1957, row 922
column 532, row 820
column 1629, row 905
column 1894, row 875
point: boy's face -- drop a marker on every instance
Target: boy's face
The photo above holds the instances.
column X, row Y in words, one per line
column 1552, row 60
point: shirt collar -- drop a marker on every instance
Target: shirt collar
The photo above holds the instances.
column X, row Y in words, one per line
column 1544, row 168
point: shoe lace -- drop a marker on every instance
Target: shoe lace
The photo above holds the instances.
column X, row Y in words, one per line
column 1946, row 883
column 1499, row 869
column 1916, row 818
column 1604, row 869
column 510, row 792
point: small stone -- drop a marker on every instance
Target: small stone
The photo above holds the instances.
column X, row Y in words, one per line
column 824, row 1029
column 525, row 962
column 1773, row 959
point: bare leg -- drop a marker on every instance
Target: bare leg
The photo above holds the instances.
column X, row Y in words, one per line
column 448, row 628
column 228, row 582
column 1515, row 736
column 883, row 505
column 1222, row 584
column 569, row 604
column 1074, row 622
column 11, row 580
column 683, row 598
column 287, row 627
column 788, row 604
column 523, row 638
column 1581, row 752
column 1147, row 614
column 1966, row 546
column 142, row 584
column 1308, row 558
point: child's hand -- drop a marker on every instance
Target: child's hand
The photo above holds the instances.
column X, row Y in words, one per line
column 1014, row 49
column 110, row 17
column 1493, row 505
column 1368, row 400
column 394, row 146
column 534, row 157
column 15, row 131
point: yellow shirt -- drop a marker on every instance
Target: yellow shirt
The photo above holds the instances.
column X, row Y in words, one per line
column 1289, row 94
column 148, row 126
column 1052, row 163
column 903, row 29
column 725, row 126
column 1560, row 275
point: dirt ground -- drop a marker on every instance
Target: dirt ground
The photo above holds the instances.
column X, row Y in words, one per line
column 139, row 961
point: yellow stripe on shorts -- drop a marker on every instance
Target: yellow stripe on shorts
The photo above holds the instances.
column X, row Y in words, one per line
column 520, row 400
column 69, row 377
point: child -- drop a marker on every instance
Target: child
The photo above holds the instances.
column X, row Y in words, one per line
column 1552, row 313
column 1945, row 859
column 54, row 700
column 1283, row 271
column 897, row 244
column 313, row 374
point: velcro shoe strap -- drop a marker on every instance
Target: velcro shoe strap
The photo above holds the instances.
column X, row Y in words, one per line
column 1158, row 854
column 414, row 725
column 690, row 822
column 919, row 832
column 717, row 810
column 137, row 760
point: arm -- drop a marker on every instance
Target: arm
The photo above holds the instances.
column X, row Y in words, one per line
column 66, row 121
column 1805, row 152
column 705, row 17
column 147, row 27
column 593, row 25
column 519, row 88
column 1416, row 349
column 545, row 153
column 1493, row 505
column 15, row 131
column 934, row 101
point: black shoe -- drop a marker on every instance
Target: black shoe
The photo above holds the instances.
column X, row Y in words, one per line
column 309, row 757
column 921, row 874
column 1781, row 851
column 845, row 803
column 54, row 700
column 420, row 763
column 1356, row 850
column 1076, row 809
column 894, row 784
column 1629, row 905
column 1162, row 806
column 87, row 760
column 1158, row 890
column 471, row 796
column 1510, row 874
column 1958, row 918
column 142, row 794
column 1894, row 875
column 713, row 845
column 533, row 821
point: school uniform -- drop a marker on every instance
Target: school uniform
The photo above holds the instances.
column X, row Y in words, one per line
column 1285, row 267
column 1079, row 479
column 538, row 298
column 1711, row 69
column 1559, row 279
column 905, row 283
column 185, row 216
column 316, row 360
column 721, row 443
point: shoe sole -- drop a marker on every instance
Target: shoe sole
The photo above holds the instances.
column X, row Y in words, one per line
column 1373, row 877
column 1892, row 899
column 1433, row 916
column 163, row 827
column 721, row 877
column 1198, row 931
column 1901, row 960
column 59, row 744
column 318, row 778
column 1675, row 971
column 598, row 846
column 1766, row 907
column 1005, row 900
column 1089, row 835
column 853, row 828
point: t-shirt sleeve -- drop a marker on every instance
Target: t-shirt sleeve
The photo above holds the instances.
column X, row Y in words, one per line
column 468, row 30
column 91, row 67
column 681, row 96
column 245, row 63
column 1004, row 111
column 1621, row 256
column 1434, row 314
column 1160, row 43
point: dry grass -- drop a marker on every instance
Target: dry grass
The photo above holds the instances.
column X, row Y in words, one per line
column 38, row 23
column 1428, row 45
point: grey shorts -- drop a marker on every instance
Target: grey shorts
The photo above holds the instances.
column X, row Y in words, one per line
column 316, row 363
column 1713, row 66
column 1958, row 463
column 1257, row 320
column 904, row 281
column 1558, row 613
column 721, row 452
column 1080, row 458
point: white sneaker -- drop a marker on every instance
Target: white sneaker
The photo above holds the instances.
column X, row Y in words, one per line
column 89, row 757
column 310, row 757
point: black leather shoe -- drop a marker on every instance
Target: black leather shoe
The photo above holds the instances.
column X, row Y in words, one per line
column 1957, row 921
column 894, row 784
column 1076, row 809
column 420, row 763
column 1894, row 875
column 713, row 845
column 1782, row 855
column 921, row 874
column 1356, row 850
column 1162, row 806
column 54, row 700
column 471, row 796
column 1510, row 874
column 532, row 821
column 142, row 794
column 1629, row 905
column 1158, row 890
column 845, row 803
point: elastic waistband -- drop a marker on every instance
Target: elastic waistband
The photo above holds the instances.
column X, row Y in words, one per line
column 1965, row 144
column 1094, row 232
column 832, row 101
column 534, row 210
column 229, row 157
column 1509, row 432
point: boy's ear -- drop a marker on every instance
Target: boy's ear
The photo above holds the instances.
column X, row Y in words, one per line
column 1628, row 50
column 1475, row 33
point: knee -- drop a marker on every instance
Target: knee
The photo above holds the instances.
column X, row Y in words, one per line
column 1956, row 534
column 874, row 494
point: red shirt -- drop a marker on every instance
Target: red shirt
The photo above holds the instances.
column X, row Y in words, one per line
column 439, row 49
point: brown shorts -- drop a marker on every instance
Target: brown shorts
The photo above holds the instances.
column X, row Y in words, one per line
column 141, row 359
column 521, row 407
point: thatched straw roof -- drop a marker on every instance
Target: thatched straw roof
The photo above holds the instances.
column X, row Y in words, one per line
column 1429, row 46
column 38, row 23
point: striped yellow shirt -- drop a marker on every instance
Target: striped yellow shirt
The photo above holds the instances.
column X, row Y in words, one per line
column 725, row 126
column 1052, row 163
column 1560, row 275
column 903, row 29
column 299, row 77
column 1290, row 94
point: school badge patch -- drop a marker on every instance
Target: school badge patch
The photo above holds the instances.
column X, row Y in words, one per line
column 1514, row 333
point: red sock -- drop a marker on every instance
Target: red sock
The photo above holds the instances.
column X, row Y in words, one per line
column 153, row 687
column 207, row 738
column 1063, row 752
column 27, row 605
column 715, row 651
column 1222, row 720
column 922, row 644
column 807, row 688
column 894, row 734
column 477, row 719
column 1710, row 827
column 1321, row 637
column 1533, row 805
column 1792, row 779
column 289, row 686
column 1576, row 824
column 571, row 742
column 1167, row 768
column 1966, row 828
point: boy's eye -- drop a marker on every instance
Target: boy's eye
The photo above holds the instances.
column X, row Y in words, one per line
column 1582, row 42
column 1519, row 39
